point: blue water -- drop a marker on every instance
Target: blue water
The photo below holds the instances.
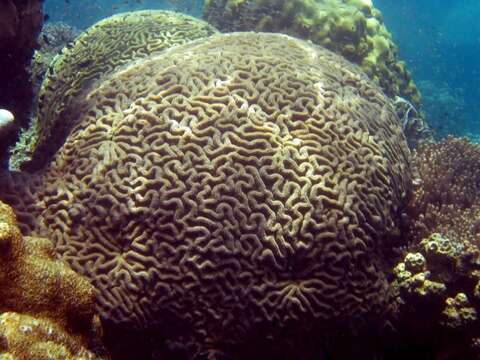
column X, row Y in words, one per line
column 439, row 40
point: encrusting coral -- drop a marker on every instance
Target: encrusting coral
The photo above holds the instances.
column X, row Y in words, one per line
column 46, row 309
column 104, row 47
column 351, row 28
column 238, row 188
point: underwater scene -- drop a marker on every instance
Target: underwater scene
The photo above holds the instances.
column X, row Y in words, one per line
column 239, row 179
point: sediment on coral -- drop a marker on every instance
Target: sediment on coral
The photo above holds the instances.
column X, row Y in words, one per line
column 101, row 49
column 237, row 189
column 46, row 310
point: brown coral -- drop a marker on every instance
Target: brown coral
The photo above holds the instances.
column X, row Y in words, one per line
column 441, row 300
column 102, row 48
column 237, row 186
column 44, row 304
column 446, row 198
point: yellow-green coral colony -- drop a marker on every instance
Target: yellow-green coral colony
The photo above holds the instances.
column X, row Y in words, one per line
column 101, row 49
column 352, row 28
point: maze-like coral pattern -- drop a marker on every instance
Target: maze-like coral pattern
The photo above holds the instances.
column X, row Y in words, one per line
column 104, row 47
column 351, row 28
column 231, row 184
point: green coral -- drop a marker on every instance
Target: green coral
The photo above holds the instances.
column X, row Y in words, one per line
column 352, row 28
column 458, row 312
column 97, row 52
column 413, row 279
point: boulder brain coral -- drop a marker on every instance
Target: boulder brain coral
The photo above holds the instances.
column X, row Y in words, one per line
column 239, row 184
column 107, row 45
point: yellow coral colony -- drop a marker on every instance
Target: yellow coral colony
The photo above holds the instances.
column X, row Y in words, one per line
column 46, row 309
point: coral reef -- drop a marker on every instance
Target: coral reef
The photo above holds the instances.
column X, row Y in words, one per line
column 53, row 38
column 47, row 310
column 446, row 193
column 438, row 280
column 238, row 188
column 436, row 289
column 352, row 28
column 104, row 47
column 20, row 23
column 414, row 126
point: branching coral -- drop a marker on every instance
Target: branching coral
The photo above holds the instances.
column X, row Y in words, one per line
column 438, row 292
column 446, row 198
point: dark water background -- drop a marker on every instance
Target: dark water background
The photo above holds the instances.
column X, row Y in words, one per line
column 439, row 40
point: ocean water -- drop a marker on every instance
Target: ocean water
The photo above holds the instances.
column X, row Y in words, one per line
column 439, row 41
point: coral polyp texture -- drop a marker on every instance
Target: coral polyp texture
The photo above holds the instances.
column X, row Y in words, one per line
column 107, row 45
column 437, row 286
column 352, row 28
column 441, row 297
column 46, row 309
column 243, row 185
column 446, row 194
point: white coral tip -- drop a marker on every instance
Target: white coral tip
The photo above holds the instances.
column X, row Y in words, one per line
column 6, row 117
